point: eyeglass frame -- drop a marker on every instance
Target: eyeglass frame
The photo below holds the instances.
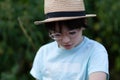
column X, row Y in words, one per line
column 71, row 34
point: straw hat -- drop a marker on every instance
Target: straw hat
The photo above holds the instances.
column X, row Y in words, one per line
column 59, row 10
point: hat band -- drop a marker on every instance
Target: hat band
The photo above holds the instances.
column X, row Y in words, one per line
column 65, row 14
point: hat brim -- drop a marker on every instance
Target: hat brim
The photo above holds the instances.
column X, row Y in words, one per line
column 62, row 19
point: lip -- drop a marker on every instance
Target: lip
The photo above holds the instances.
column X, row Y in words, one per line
column 67, row 46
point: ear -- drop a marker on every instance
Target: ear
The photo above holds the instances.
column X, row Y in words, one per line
column 85, row 21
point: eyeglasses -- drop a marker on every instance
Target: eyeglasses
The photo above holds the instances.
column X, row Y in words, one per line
column 58, row 36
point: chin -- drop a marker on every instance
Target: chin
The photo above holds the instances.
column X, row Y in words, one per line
column 68, row 48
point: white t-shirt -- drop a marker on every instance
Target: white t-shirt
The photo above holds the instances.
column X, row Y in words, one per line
column 54, row 63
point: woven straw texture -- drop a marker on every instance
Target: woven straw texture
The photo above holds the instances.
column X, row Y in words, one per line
column 63, row 5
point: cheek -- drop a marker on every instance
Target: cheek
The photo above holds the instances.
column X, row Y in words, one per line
column 77, row 39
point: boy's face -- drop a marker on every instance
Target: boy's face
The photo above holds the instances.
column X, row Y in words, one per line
column 67, row 39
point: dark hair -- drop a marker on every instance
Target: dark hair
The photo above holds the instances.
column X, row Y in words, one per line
column 70, row 24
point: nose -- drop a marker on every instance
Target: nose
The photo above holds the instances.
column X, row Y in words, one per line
column 65, row 39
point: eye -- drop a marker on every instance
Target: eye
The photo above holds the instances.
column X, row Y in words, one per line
column 72, row 32
column 56, row 34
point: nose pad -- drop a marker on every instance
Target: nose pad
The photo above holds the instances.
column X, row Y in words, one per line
column 65, row 39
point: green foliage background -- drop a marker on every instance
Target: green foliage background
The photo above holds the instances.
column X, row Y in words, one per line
column 20, row 38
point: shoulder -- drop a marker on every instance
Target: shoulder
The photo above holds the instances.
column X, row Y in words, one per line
column 98, row 51
column 45, row 49
column 96, row 48
column 94, row 44
column 48, row 46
